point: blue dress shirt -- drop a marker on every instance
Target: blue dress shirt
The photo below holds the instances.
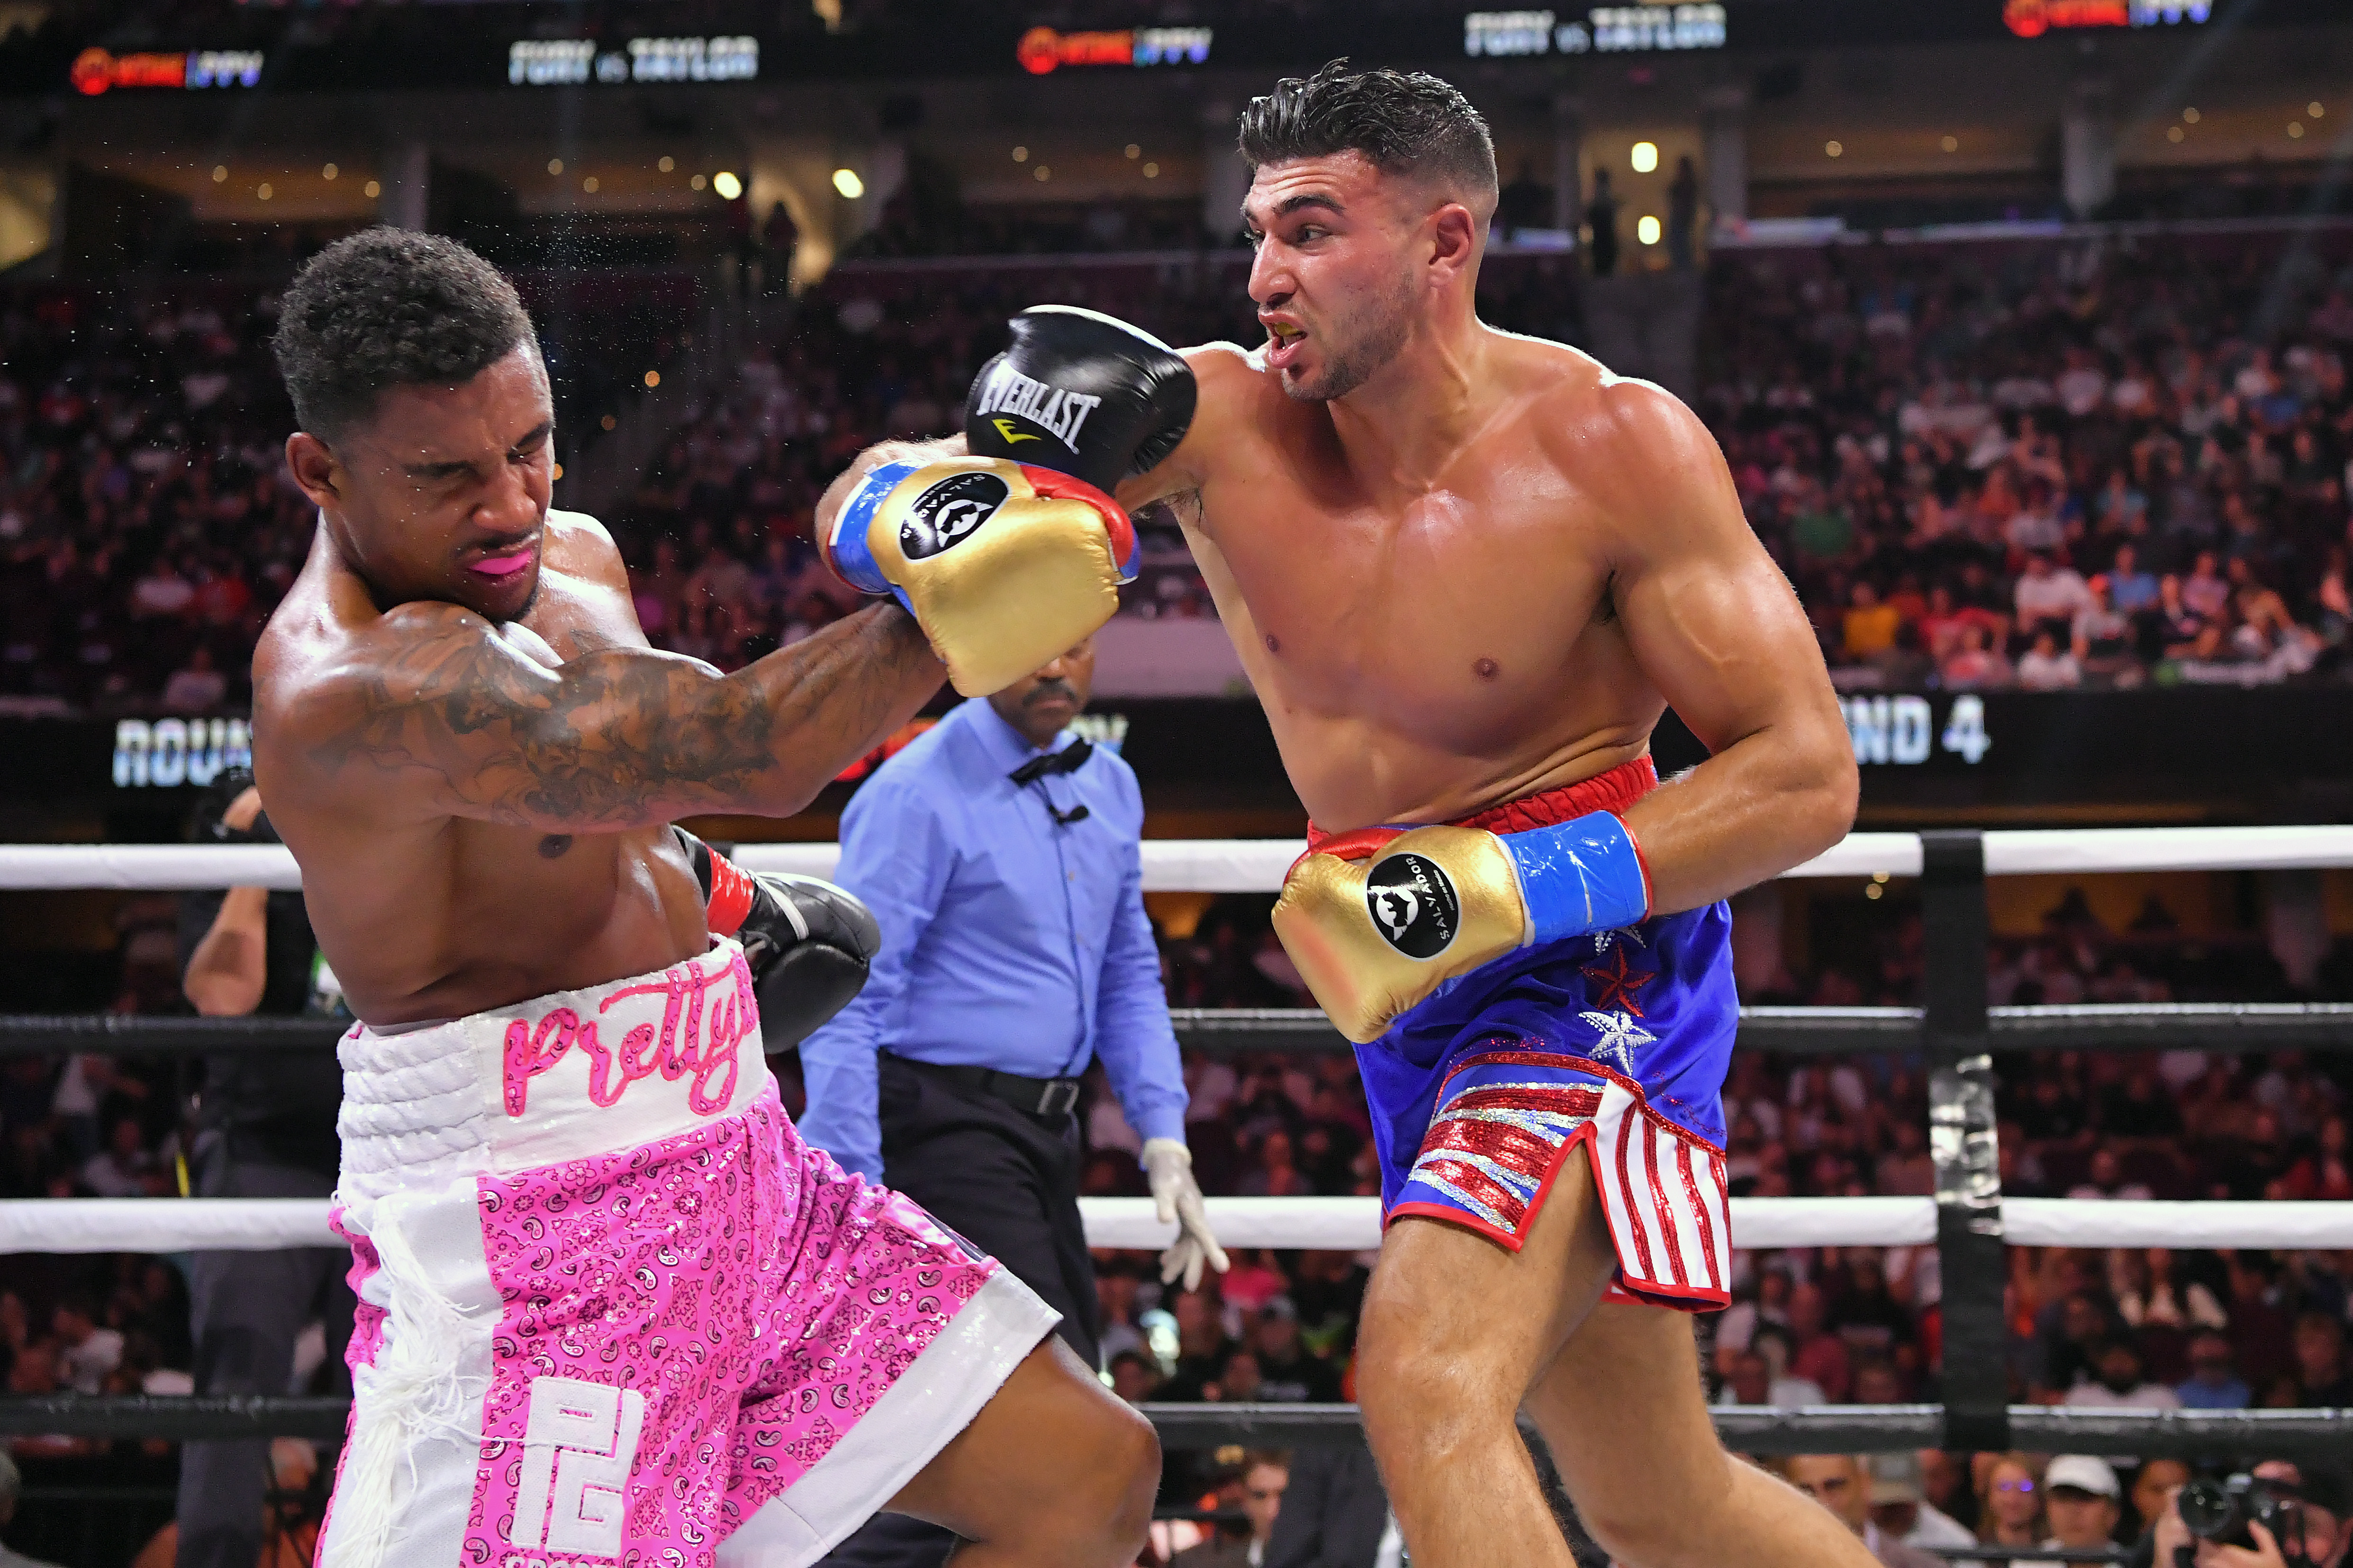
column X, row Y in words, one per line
column 1009, row 941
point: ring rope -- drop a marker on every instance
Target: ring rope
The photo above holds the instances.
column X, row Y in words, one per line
column 1332, row 1225
column 1257, row 865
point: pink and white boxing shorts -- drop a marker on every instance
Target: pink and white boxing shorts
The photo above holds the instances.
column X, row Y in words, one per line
column 614, row 1311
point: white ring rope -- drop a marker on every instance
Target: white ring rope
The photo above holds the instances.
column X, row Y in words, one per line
column 1334, row 1225
column 1257, row 865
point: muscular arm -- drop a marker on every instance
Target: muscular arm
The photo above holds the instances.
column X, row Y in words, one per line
column 1715, row 626
column 616, row 739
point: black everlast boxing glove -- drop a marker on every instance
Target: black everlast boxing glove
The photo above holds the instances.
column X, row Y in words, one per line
column 1083, row 393
column 807, row 943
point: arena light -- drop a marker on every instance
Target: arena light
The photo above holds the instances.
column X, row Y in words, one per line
column 1951, row 143
column 847, row 181
column 727, row 185
column 1646, row 229
column 1645, row 157
column 329, row 173
column 667, row 164
column 1834, row 149
column 372, row 190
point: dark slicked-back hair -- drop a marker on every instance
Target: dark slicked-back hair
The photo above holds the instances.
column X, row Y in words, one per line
column 1403, row 121
column 386, row 307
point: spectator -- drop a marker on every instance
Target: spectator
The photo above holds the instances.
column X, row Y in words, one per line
column 1287, row 1373
column 1752, row 1381
column 2153, row 1487
column 196, row 687
column 2084, row 1502
column 86, row 1353
column 1817, row 1355
column 2322, row 1378
column 1973, row 665
column 1870, row 625
column 1264, row 1479
column 2212, row 1384
column 2010, row 1503
column 162, row 593
column 2047, row 667
column 12, row 1483
column 2051, row 594
column 1841, row 1484
column 1899, row 1508
column 2105, row 1180
column 2320, row 1498
column 2120, row 1383
column 125, row 1168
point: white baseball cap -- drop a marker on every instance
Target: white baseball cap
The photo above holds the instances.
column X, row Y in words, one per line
column 2084, row 1473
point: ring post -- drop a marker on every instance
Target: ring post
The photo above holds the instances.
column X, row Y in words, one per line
column 1961, row 1143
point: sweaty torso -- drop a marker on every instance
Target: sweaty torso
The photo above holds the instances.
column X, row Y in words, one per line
column 425, row 915
column 1424, row 656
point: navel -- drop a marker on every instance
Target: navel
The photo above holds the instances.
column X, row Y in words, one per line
column 553, row 846
column 1487, row 668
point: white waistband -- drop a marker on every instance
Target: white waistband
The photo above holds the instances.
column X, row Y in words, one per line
column 565, row 1076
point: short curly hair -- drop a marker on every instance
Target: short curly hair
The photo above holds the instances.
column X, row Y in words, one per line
column 386, row 308
column 1405, row 122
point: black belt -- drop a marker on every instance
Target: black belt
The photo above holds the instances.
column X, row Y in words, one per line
column 1031, row 1096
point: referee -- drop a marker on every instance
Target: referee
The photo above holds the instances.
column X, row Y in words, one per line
column 268, row 1132
column 1000, row 854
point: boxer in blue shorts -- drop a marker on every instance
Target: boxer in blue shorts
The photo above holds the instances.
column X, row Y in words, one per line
column 1466, row 572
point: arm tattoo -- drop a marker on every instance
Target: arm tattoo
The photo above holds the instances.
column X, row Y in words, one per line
column 624, row 736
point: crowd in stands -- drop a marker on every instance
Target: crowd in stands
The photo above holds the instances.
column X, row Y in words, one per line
column 2050, row 465
column 2042, row 465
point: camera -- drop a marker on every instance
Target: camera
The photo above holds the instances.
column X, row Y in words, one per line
column 2220, row 1512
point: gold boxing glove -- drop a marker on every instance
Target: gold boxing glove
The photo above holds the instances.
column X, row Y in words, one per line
column 1372, row 936
column 1003, row 564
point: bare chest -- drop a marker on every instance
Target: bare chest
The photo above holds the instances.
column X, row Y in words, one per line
column 1455, row 611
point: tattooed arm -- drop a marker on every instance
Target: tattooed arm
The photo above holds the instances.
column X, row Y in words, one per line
column 434, row 705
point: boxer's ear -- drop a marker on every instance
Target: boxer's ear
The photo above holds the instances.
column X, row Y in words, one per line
column 312, row 463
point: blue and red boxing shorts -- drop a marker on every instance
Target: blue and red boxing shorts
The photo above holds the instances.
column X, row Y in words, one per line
column 1615, row 1040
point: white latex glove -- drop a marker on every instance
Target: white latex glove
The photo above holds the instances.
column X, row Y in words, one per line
column 1177, row 1196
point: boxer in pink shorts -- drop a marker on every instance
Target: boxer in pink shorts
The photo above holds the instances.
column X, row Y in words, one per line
column 592, row 1207
column 613, row 1313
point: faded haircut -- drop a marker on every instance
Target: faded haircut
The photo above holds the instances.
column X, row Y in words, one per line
column 1403, row 122
column 386, row 308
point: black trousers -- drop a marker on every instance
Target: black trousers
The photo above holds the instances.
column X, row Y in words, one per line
column 1008, row 1183
column 248, row 1309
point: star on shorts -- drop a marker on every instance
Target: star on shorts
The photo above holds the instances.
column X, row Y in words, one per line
column 1614, row 984
column 1603, row 940
column 1620, row 1035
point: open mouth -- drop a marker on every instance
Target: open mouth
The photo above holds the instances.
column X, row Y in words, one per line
column 1284, row 342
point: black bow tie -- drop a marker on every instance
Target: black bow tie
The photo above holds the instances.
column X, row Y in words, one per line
column 1065, row 761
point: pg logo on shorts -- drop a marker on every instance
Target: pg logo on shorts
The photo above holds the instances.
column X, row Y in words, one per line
column 579, row 1441
column 945, row 516
column 1413, row 905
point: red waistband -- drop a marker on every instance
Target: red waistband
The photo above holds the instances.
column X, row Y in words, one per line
column 1615, row 790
